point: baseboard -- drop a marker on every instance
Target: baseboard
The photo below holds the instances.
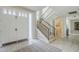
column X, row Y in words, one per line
column 9, row 43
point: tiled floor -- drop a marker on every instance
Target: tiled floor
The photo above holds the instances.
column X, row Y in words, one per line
column 39, row 46
column 36, row 46
column 14, row 47
column 67, row 45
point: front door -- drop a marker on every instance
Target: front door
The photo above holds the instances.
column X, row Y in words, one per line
column 58, row 28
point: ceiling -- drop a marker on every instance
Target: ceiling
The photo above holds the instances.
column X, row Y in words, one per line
column 58, row 10
column 34, row 8
column 64, row 10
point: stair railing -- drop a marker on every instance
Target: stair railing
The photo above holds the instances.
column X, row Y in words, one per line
column 47, row 29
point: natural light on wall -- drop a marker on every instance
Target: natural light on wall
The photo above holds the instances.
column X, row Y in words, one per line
column 23, row 14
column 14, row 13
column 4, row 11
column 37, row 15
column 19, row 13
column 26, row 15
column 9, row 12
column 44, row 9
column 30, row 28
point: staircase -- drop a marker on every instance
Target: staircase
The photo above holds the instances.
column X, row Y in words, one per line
column 47, row 30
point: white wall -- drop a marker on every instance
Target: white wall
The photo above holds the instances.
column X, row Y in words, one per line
column 34, row 25
column 8, row 23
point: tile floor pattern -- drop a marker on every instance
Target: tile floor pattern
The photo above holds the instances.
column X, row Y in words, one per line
column 14, row 47
column 67, row 45
column 39, row 46
column 36, row 46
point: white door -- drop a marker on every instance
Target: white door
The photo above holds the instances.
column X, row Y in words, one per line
column 22, row 28
column 7, row 28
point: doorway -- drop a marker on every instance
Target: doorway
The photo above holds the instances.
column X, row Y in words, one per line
column 59, row 28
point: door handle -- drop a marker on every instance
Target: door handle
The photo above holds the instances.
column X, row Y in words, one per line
column 16, row 29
